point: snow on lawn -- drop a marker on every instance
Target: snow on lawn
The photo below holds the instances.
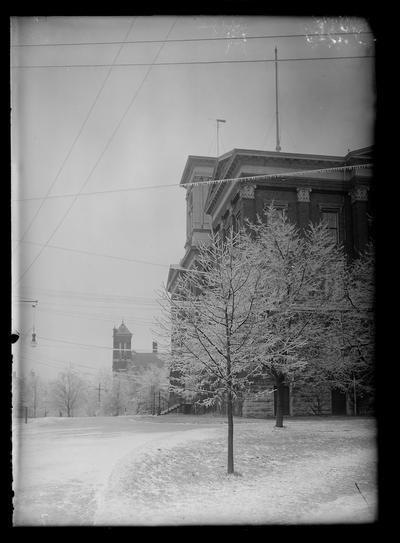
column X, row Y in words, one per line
column 305, row 472
column 60, row 465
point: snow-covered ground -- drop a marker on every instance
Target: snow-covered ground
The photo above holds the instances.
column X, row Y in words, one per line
column 172, row 470
column 61, row 465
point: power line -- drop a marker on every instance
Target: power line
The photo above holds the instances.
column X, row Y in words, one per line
column 103, row 304
column 180, row 40
column 97, row 161
column 95, row 254
column 74, row 293
column 80, row 194
column 207, row 181
column 91, row 345
column 79, row 134
column 94, row 317
column 57, row 361
column 99, row 304
column 191, row 62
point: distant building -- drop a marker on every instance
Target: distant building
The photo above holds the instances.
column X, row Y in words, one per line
column 122, row 349
column 125, row 359
column 143, row 361
column 343, row 197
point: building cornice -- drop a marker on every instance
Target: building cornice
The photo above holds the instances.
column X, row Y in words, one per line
column 195, row 162
column 271, row 159
column 186, row 262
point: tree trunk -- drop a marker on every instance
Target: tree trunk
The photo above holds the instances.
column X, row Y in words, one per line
column 279, row 380
column 229, row 411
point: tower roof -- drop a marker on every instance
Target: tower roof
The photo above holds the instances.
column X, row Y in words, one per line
column 123, row 329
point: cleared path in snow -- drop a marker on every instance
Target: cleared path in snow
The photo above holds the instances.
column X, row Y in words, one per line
column 61, row 465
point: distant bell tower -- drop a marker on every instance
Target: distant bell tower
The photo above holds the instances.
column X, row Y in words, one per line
column 122, row 353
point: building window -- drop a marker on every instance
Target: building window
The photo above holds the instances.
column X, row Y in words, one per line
column 236, row 222
column 331, row 218
column 280, row 208
column 189, row 219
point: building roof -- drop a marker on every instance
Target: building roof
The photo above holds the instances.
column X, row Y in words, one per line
column 122, row 329
column 143, row 361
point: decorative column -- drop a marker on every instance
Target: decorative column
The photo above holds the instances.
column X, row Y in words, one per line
column 359, row 201
column 247, row 194
column 303, row 207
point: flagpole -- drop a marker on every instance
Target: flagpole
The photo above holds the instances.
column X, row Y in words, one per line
column 278, row 147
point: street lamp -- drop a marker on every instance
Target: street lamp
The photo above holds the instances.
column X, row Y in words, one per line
column 34, row 340
column 15, row 336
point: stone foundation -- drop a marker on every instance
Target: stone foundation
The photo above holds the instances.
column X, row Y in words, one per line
column 311, row 401
column 258, row 406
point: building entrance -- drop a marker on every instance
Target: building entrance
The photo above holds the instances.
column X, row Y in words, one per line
column 338, row 402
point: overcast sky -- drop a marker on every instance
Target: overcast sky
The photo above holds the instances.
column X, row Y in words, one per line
column 78, row 130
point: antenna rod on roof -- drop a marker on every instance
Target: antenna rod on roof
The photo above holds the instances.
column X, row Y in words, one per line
column 278, row 147
column 218, row 121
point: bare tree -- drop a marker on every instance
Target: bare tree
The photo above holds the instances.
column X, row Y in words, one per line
column 358, row 326
column 30, row 391
column 210, row 319
column 117, row 394
column 68, row 392
column 149, row 389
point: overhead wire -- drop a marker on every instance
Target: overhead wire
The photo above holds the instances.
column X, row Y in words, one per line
column 90, row 295
column 96, row 316
column 282, row 176
column 110, row 139
column 53, row 361
column 90, row 345
column 90, row 317
column 244, row 37
column 205, row 181
column 101, row 255
column 100, row 305
column 188, row 63
column 154, row 63
column 85, row 121
column 96, row 304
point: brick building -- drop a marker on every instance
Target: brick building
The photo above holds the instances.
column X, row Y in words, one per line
column 316, row 187
column 122, row 349
column 125, row 359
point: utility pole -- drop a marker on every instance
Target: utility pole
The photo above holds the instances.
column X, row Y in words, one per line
column 278, row 147
column 355, row 395
column 34, row 392
column 99, row 398
column 219, row 121
column 99, row 389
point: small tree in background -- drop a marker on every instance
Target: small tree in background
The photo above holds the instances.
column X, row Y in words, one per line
column 343, row 357
column 118, row 395
column 31, row 392
column 150, row 389
column 67, row 392
column 210, row 322
column 357, row 328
